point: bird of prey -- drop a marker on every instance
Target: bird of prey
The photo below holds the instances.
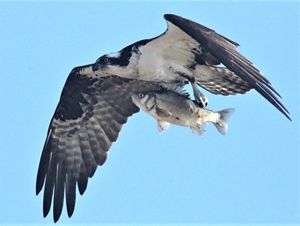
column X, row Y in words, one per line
column 96, row 99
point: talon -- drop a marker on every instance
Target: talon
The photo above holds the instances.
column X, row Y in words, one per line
column 204, row 101
column 200, row 99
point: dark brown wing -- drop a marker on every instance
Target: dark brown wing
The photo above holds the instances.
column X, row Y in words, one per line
column 223, row 50
column 88, row 118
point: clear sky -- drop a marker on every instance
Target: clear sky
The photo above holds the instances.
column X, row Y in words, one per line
column 251, row 175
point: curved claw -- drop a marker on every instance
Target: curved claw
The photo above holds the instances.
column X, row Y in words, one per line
column 200, row 99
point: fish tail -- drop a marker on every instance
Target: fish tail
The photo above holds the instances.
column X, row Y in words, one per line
column 221, row 123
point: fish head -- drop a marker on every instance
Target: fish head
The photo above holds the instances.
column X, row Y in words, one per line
column 143, row 100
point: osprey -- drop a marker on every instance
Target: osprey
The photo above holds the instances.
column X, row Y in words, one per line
column 96, row 99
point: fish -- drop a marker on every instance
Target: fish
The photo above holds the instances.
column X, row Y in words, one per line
column 175, row 107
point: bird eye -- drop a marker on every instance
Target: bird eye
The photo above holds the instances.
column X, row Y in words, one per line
column 105, row 60
column 141, row 95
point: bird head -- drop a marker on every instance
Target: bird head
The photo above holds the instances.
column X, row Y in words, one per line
column 120, row 63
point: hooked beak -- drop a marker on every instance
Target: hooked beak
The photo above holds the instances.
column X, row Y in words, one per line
column 84, row 69
column 95, row 67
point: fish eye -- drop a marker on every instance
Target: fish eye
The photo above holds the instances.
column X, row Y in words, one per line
column 141, row 95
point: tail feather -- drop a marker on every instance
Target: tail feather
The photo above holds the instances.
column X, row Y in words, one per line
column 221, row 123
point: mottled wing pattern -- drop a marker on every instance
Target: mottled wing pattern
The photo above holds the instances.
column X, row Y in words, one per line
column 217, row 49
column 88, row 118
column 180, row 51
column 220, row 80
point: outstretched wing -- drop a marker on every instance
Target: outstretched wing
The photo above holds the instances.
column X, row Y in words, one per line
column 216, row 49
column 88, row 118
column 213, row 59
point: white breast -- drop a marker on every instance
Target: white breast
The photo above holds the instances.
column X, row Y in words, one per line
column 165, row 56
column 156, row 66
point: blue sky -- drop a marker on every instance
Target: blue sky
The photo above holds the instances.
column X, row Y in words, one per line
column 251, row 175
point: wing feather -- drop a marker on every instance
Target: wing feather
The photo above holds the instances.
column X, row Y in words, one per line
column 87, row 120
column 70, row 194
column 83, row 179
column 224, row 50
column 59, row 192
column 95, row 138
column 220, row 80
column 89, row 161
column 49, row 186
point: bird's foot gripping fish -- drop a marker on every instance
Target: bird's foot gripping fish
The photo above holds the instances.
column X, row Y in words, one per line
column 172, row 107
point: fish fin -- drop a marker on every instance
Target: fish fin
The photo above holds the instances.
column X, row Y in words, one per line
column 185, row 93
column 182, row 92
column 175, row 87
column 162, row 113
column 199, row 129
column 221, row 123
column 162, row 125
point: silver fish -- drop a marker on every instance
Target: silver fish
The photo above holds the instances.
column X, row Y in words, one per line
column 173, row 107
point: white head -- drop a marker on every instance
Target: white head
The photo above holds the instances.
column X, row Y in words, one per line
column 122, row 63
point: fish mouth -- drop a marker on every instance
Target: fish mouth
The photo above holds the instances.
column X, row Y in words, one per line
column 135, row 99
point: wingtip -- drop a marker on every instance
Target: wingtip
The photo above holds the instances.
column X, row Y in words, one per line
column 70, row 211
column 37, row 189
column 39, row 185
column 287, row 115
column 45, row 212
column 46, row 209
column 171, row 17
column 82, row 185
column 55, row 218
column 168, row 15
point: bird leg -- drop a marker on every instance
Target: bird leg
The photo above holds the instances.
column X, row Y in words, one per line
column 200, row 99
